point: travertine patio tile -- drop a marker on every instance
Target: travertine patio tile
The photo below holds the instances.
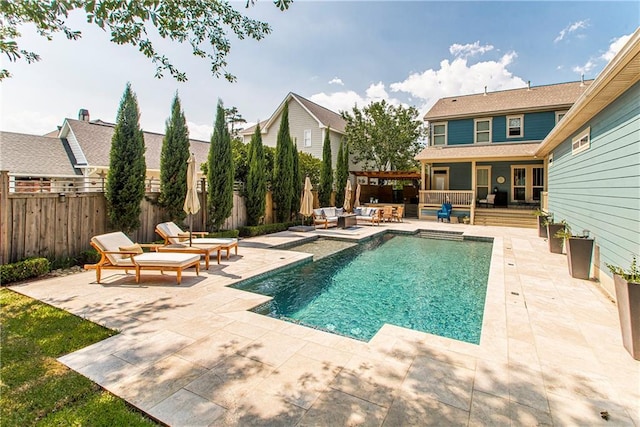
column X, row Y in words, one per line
column 88, row 355
column 230, row 380
column 300, row 380
column 415, row 409
column 245, row 329
column 213, row 349
column 492, row 378
column 159, row 381
column 325, row 354
column 586, row 411
column 336, row 408
column 489, row 410
column 272, row 348
column 184, row 408
column 109, row 371
column 200, row 326
column 154, row 347
column 373, row 380
column 526, row 387
column 448, row 383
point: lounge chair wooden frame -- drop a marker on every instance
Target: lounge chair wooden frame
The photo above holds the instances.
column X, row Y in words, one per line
column 222, row 245
column 105, row 264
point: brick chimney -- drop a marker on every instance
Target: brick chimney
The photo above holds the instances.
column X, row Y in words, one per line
column 83, row 115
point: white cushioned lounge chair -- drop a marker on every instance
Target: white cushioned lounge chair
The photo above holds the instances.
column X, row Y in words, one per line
column 118, row 252
column 174, row 235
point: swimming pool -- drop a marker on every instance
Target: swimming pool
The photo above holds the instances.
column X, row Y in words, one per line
column 434, row 286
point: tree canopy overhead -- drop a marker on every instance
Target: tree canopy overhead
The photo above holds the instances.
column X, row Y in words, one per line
column 204, row 24
column 383, row 136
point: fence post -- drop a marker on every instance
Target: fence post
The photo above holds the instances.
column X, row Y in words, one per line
column 4, row 217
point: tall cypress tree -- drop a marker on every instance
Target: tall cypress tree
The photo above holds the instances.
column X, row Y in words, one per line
column 326, row 173
column 283, row 170
column 297, row 181
column 173, row 163
column 341, row 175
column 220, row 172
column 256, row 188
column 127, row 166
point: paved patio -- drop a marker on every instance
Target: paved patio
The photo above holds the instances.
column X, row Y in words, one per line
column 192, row 355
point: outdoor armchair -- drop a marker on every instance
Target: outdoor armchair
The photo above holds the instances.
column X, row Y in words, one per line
column 445, row 212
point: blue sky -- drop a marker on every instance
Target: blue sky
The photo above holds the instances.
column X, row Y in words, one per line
column 335, row 53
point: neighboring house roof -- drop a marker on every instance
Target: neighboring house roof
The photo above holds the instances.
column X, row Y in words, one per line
column 38, row 156
column 94, row 139
column 324, row 116
column 479, row 152
column 536, row 98
column 622, row 72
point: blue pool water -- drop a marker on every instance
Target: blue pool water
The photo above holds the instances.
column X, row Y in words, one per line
column 434, row 286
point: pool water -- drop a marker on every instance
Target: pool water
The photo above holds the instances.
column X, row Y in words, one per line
column 434, row 286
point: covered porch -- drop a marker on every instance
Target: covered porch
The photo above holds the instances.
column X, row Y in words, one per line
column 464, row 175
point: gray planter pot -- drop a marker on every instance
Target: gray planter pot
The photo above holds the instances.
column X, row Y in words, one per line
column 555, row 243
column 628, row 300
column 542, row 229
column 579, row 250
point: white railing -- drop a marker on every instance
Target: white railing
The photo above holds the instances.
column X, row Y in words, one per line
column 455, row 197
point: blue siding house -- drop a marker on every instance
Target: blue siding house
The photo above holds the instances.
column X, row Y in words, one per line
column 593, row 163
column 487, row 143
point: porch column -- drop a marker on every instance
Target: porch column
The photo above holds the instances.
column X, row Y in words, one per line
column 423, row 167
column 473, row 189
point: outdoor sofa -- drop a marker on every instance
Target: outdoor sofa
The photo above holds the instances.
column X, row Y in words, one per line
column 367, row 215
column 327, row 217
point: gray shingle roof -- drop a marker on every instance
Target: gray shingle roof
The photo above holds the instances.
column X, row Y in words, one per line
column 469, row 152
column 32, row 155
column 95, row 140
column 556, row 96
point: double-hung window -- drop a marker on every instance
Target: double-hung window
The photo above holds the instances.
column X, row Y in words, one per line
column 482, row 130
column 307, row 138
column 581, row 142
column 439, row 134
column 515, row 126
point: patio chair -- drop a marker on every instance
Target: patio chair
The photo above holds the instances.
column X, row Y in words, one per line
column 118, row 252
column 398, row 213
column 387, row 213
column 445, row 212
column 173, row 235
column 490, row 200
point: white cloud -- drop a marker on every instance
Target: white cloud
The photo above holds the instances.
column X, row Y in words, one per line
column 467, row 50
column 615, row 47
column 571, row 28
column 200, row 132
column 346, row 100
column 336, row 81
column 458, row 78
column 586, row 68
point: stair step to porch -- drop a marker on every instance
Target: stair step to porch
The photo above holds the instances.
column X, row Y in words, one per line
column 521, row 218
column 441, row 235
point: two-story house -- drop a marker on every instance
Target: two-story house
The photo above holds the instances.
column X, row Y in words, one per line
column 593, row 164
column 308, row 126
column 486, row 143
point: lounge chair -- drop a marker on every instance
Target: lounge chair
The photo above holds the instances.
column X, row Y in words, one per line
column 118, row 252
column 445, row 212
column 173, row 235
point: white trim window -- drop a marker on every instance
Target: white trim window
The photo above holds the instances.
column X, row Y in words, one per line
column 307, row 137
column 560, row 115
column 515, row 126
column 581, row 142
column 482, row 131
column 439, row 133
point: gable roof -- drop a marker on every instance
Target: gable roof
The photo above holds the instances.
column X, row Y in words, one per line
column 622, row 72
column 468, row 152
column 94, row 139
column 537, row 98
column 33, row 155
column 324, row 116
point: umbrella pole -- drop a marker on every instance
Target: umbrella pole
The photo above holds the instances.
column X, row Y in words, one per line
column 190, row 229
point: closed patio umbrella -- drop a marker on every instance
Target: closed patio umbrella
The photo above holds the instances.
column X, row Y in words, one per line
column 356, row 203
column 347, row 197
column 306, row 205
column 191, row 202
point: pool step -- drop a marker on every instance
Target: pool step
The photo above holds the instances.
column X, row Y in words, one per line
column 441, row 235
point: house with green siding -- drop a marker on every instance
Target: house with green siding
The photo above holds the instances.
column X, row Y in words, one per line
column 482, row 148
column 593, row 164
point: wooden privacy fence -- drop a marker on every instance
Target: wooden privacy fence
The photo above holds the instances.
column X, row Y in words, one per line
column 55, row 226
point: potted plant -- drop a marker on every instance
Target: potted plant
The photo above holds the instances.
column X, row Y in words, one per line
column 465, row 219
column 579, row 251
column 542, row 222
column 555, row 243
column 627, row 283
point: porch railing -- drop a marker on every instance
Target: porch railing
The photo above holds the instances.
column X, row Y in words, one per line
column 455, row 197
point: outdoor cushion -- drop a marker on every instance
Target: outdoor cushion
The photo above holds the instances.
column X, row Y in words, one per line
column 339, row 211
column 168, row 259
column 329, row 212
column 131, row 248
column 183, row 235
column 373, row 211
column 357, row 211
column 318, row 212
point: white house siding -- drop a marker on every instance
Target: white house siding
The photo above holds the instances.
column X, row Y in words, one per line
column 599, row 189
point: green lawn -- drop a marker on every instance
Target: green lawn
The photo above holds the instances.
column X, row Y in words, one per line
column 35, row 389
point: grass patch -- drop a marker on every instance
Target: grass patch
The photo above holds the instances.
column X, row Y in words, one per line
column 35, row 389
